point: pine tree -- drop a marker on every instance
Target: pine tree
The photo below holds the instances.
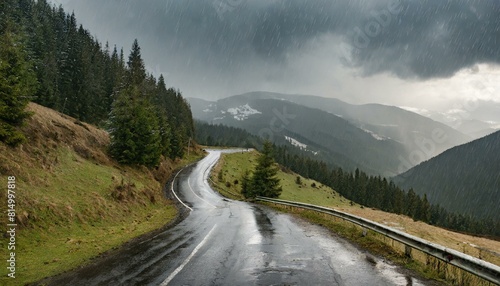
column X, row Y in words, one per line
column 161, row 102
column 424, row 212
column 165, row 134
column 412, row 202
column 122, row 146
column 136, row 70
column 264, row 181
column 71, row 69
column 135, row 132
column 245, row 185
column 176, row 143
column 44, row 44
column 17, row 80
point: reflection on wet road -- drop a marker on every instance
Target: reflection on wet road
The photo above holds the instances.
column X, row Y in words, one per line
column 224, row 242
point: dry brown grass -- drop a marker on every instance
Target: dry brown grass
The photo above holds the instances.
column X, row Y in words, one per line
column 46, row 131
column 49, row 129
column 479, row 247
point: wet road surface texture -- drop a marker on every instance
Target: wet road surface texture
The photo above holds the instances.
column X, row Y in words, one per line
column 225, row 242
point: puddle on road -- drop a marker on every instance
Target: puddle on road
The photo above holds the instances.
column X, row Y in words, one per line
column 287, row 249
column 392, row 274
column 352, row 263
column 264, row 224
column 264, row 228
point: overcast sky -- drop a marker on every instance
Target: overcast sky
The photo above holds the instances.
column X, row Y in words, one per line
column 430, row 54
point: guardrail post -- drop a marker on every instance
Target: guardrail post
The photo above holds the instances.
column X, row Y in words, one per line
column 365, row 232
column 408, row 251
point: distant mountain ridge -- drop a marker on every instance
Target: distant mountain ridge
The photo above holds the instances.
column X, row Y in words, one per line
column 385, row 121
column 464, row 179
column 474, row 118
column 379, row 139
column 333, row 138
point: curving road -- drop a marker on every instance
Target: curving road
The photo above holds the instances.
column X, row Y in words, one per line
column 223, row 242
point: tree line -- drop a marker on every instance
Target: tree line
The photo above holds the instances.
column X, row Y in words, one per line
column 221, row 135
column 370, row 191
column 61, row 66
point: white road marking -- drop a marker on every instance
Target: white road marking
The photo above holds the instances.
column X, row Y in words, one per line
column 189, row 184
column 179, row 269
column 176, row 194
column 210, row 166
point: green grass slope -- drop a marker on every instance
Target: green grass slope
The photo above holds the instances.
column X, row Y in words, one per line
column 72, row 201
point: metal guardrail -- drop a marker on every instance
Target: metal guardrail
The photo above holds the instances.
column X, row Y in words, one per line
column 480, row 268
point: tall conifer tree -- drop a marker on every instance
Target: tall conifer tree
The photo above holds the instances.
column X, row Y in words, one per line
column 17, row 80
column 264, row 181
column 135, row 131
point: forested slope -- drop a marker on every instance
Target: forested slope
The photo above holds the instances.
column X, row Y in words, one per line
column 48, row 58
column 464, row 179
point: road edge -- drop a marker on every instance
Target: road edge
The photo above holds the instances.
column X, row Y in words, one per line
column 182, row 213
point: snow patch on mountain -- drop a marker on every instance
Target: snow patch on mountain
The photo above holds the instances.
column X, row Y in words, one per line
column 242, row 112
column 374, row 135
column 421, row 111
column 208, row 109
column 338, row 115
column 296, row 143
column 387, row 125
column 299, row 144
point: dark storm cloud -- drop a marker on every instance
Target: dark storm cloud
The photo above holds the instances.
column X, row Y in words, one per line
column 408, row 38
column 422, row 39
column 435, row 39
column 269, row 29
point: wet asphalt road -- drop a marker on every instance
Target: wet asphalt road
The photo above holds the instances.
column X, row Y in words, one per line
column 224, row 242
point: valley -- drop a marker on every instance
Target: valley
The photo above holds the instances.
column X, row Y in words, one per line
column 377, row 139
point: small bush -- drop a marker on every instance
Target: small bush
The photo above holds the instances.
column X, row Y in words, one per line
column 228, row 184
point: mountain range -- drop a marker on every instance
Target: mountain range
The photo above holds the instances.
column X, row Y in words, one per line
column 474, row 118
column 379, row 139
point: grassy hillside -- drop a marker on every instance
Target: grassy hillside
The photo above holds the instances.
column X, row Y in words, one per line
column 232, row 167
column 72, row 201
